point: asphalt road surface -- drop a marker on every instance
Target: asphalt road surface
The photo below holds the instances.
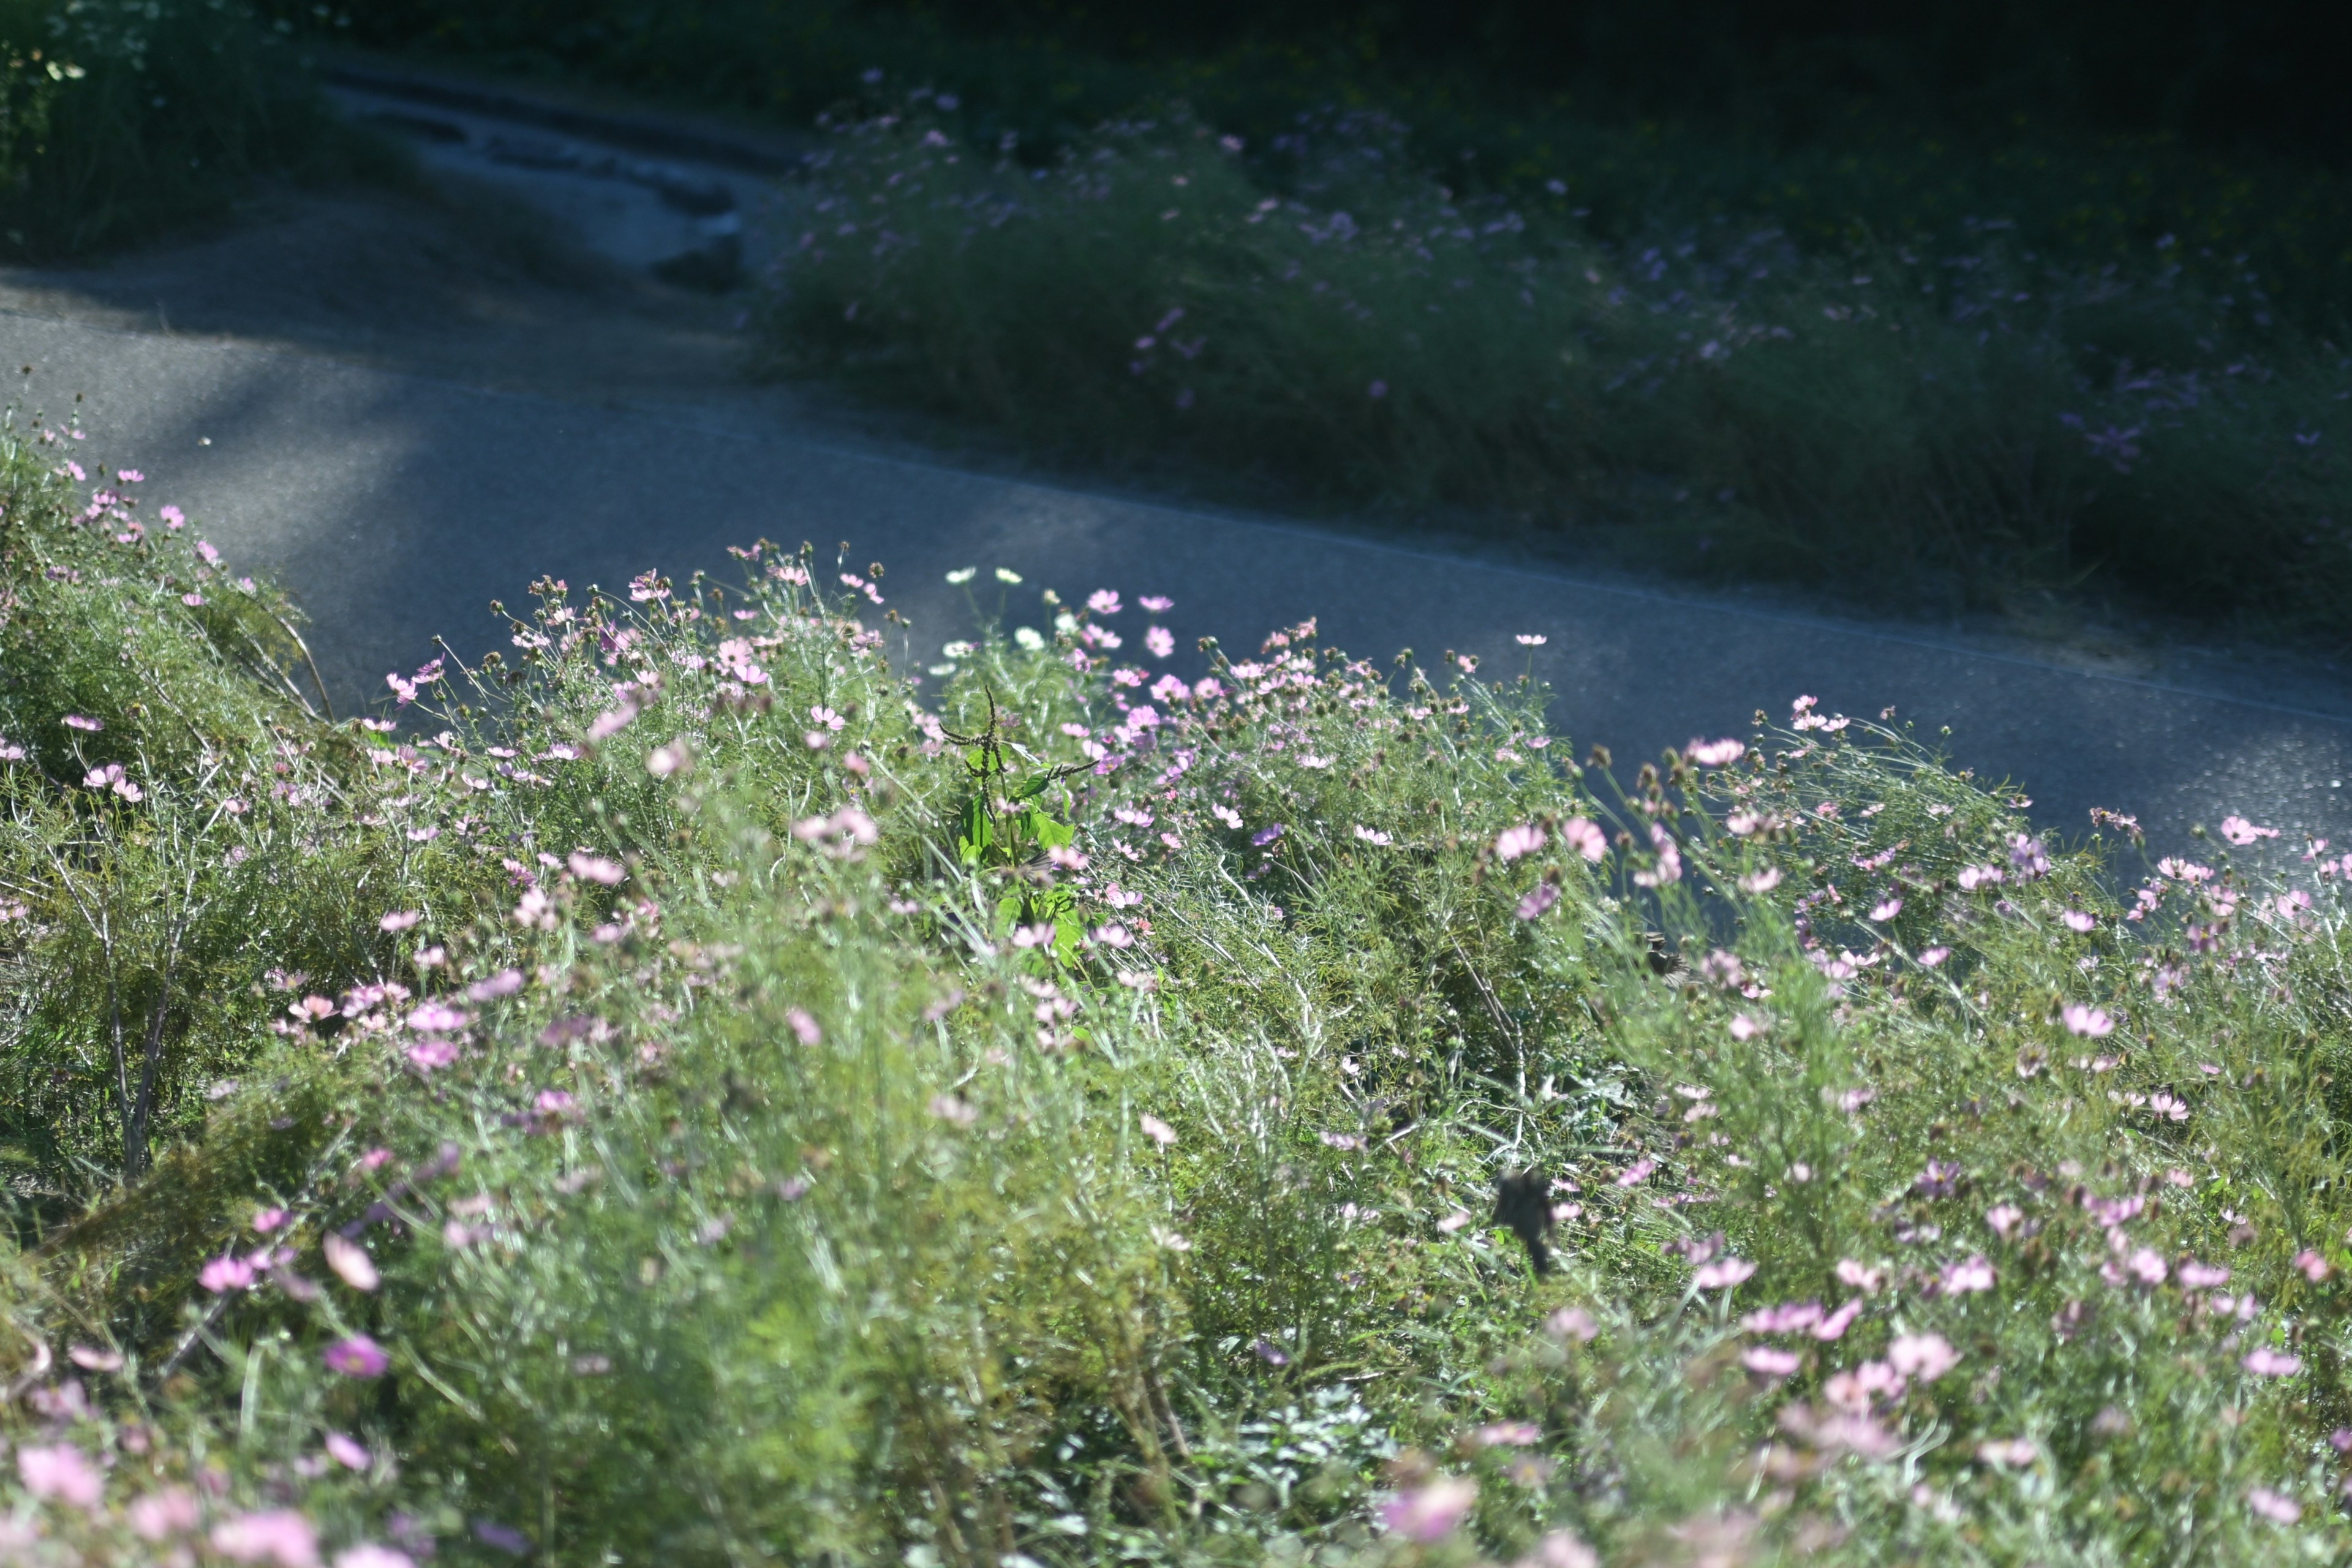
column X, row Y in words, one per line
column 403, row 445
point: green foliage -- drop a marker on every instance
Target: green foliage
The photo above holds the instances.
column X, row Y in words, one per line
column 124, row 120
column 1948, row 414
column 684, row 1093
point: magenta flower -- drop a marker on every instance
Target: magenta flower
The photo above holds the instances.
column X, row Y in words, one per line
column 77, row 721
column 2079, row 923
column 1431, row 1512
column 347, row 1452
column 279, row 1536
column 2265, row 1362
column 225, row 1274
column 358, row 1356
column 2089, row 1022
column 505, row 982
column 1513, row 842
column 1541, row 898
column 432, row 1054
column 1965, row 1278
column 368, row 1554
column 2241, row 832
column 1925, row 1357
column 1723, row 1273
column 61, row 1472
column 1160, row 641
column 1104, row 602
column 436, row 1017
column 1834, row 1327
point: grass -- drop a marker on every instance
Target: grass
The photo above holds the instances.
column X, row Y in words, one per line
column 121, row 122
column 683, row 1092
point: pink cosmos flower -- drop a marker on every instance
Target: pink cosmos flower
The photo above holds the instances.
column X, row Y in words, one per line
column 1513, row 842
column 2265, row 1362
column 1761, row 881
column 1722, row 1274
column 505, row 982
column 1431, row 1512
column 1585, row 837
column 1160, row 641
column 1860, row 1275
column 1507, row 1435
column 174, row 517
column 1669, row 866
column 163, row 1513
column 436, row 1017
column 2080, row 922
column 1745, row 1028
column 77, row 721
column 2196, row 1275
column 1634, row 1174
column 2241, row 832
column 596, row 868
column 2090, row 1022
column 60, row 1472
column 1370, row 836
column 358, row 1356
column 1157, row 604
column 433, row 1053
column 279, row 1536
column 1925, row 1357
column 1886, row 910
column 398, row 921
column 1932, row 956
column 1975, row 877
column 1572, row 1323
column 351, row 1262
column 225, row 1273
column 1767, row 1362
column 1542, row 896
column 804, row 1027
column 1104, row 602
column 346, row 1452
column 1714, row 754
column 2315, row 1267
column 2273, row 1506
column 2004, row 1218
column 1159, row 1131
column 1965, row 1278
column 1531, row 639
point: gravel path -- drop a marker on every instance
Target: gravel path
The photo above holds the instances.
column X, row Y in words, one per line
column 405, row 406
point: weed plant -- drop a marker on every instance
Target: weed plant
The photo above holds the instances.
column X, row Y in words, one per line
column 1954, row 411
column 124, row 120
column 682, row 1093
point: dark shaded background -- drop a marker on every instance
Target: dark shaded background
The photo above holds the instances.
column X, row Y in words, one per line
column 2270, row 75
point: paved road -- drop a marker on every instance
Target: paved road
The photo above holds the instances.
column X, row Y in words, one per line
column 395, row 506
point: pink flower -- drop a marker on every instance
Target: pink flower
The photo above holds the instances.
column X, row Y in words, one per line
column 1370, row 836
column 2089, row 1022
column 1514, row 842
column 1925, row 1357
column 2265, row 1362
column 1507, row 1435
column 1160, row 641
column 61, row 1472
column 225, row 1274
column 2008, row 1453
column 1104, row 602
column 368, row 1554
column 1669, row 866
column 1834, row 1327
column 398, row 921
column 1159, row 1131
column 174, row 517
column 804, row 1027
column 1975, row 877
column 432, row 1053
column 278, row 1535
column 1572, row 1323
column 1932, row 956
column 1541, row 898
column 1723, row 1273
column 436, row 1017
column 1886, row 910
column 1431, row 1512
column 358, row 1356
column 1745, row 1028
column 1965, row 1278
column 1585, row 837
column 351, row 1262
column 1768, row 1361
column 2273, row 1507
column 1860, row 1275
column 1760, row 881
column 2315, row 1267
column 1157, row 604
column 2195, row 1275
column 596, row 868
column 77, row 722
column 2080, row 922
column 505, row 982
column 163, row 1513
column 1531, row 639
column 2241, row 832
column 347, row 1453
column 1714, row 754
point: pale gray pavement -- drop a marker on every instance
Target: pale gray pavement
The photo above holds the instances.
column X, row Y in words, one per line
column 389, row 407
column 395, row 507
